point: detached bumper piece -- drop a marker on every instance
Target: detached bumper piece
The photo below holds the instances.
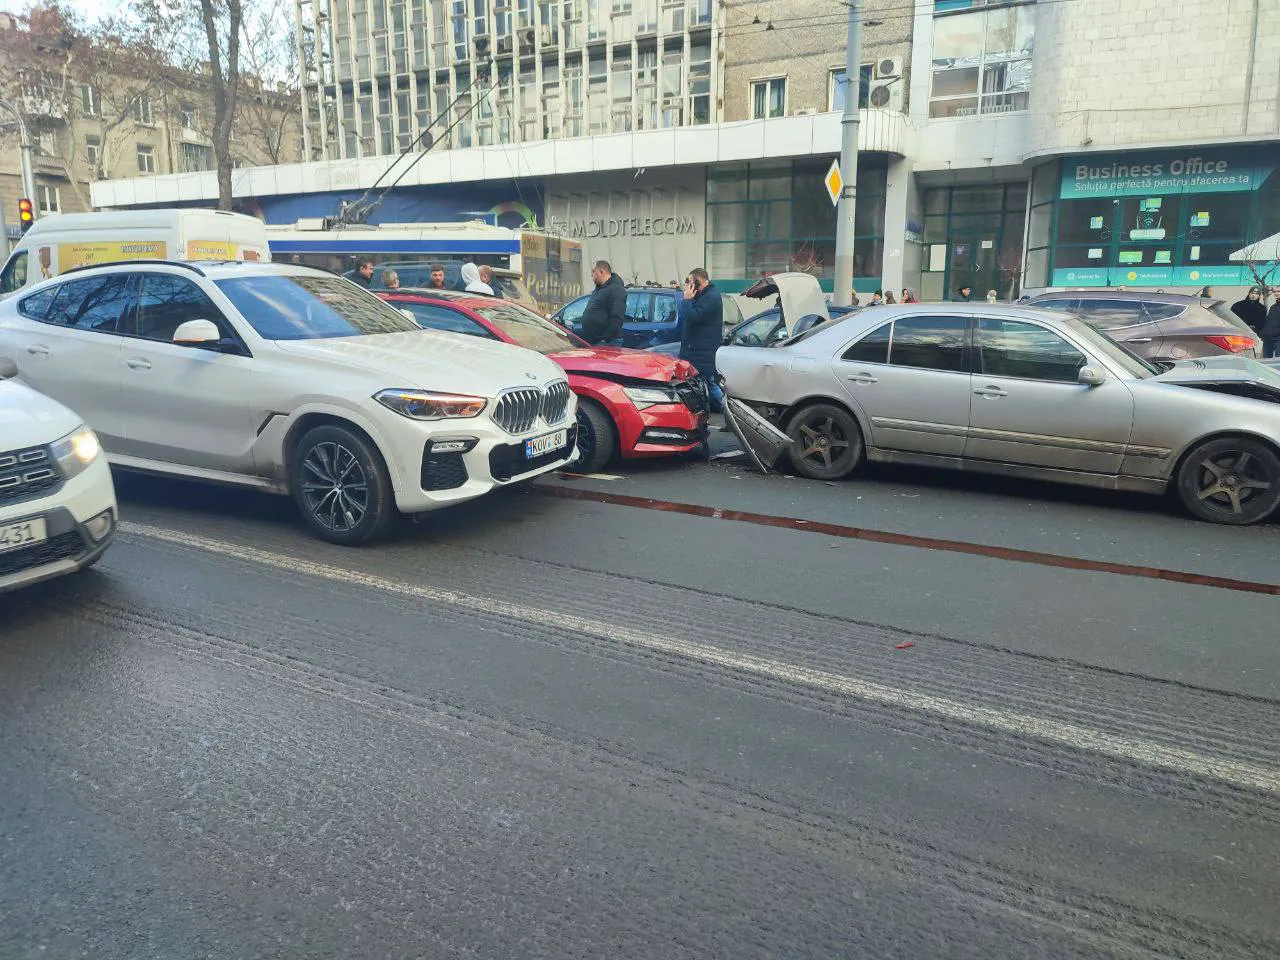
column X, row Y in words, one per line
column 508, row 461
column 764, row 442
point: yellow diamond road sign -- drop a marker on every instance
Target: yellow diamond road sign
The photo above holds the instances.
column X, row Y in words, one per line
column 834, row 182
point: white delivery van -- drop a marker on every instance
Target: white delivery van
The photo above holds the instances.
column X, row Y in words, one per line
column 63, row 241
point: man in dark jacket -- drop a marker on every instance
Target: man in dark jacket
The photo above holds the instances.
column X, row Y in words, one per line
column 1271, row 330
column 703, row 330
column 606, row 311
column 364, row 273
column 1251, row 309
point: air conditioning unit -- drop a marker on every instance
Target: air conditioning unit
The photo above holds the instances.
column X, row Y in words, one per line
column 505, row 44
column 805, row 112
column 886, row 95
column 481, row 41
column 888, row 68
column 528, row 38
column 547, row 36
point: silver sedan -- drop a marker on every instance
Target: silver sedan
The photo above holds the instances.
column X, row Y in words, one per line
column 1016, row 391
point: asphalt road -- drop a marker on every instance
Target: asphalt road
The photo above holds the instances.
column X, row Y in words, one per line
column 546, row 727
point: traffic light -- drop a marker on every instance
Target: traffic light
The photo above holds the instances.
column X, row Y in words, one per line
column 26, row 215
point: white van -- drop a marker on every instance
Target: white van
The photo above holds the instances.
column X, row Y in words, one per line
column 63, row 241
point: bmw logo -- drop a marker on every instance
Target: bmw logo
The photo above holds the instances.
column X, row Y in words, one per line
column 531, row 376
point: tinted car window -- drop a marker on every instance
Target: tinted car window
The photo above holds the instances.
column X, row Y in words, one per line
column 308, row 307
column 14, row 276
column 930, row 343
column 36, row 305
column 1164, row 311
column 1111, row 314
column 665, row 310
column 166, row 302
column 638, row 307
column 573, row 311
column 1009, row 348
column 442, row 318
column 94, row 303
column 1067, row 305
column 873, row 348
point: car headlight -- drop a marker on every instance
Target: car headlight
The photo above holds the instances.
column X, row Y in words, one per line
column 426, row 405
column 650, row 396
column 76, row 450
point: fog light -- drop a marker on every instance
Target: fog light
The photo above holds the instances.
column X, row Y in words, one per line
column 100, row 525
column 461, row 445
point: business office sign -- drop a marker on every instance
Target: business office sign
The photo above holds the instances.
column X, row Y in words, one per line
column 1162, row 172
column 609, row 227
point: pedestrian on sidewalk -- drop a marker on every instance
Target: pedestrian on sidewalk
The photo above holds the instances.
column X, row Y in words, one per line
column 889, row 297
column 1271, row 329
column 909, row 295
column 1251, row 309
column 606, row 312
column 965, row 293
column 703, row 331
column 992, row 296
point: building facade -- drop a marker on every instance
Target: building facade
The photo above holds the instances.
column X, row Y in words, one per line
column 1006, row 146
column 103, row 113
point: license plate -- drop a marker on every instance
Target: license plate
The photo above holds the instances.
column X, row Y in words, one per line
column 537, row 446
column 15, row 536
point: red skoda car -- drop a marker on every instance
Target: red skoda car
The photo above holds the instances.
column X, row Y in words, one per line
column 630, row 403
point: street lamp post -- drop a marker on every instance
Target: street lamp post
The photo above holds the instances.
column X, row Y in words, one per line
column 24, row 139
column 842, row 293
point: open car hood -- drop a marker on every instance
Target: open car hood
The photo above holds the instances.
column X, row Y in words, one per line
column 800, row 297
column 1242, row 376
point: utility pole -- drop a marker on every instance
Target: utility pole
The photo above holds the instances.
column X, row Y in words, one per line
column 842, row 293
column 24, row 140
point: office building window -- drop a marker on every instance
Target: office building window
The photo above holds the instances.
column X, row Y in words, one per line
column 838, row 87
column 982, row 61
column 142, row 109
column 48, row 200
column 768, row 98
column 93, row 151
column 90, row 101
column 146, row 159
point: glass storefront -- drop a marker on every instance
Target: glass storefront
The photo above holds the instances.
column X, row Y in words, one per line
column 973, row 236
column 1168, row 217
column 774, row 216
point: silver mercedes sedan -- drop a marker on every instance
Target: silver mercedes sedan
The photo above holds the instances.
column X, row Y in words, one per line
column 1012, row 390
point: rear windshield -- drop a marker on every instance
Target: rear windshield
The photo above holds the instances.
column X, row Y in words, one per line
column 304, row 307
column 528, row 329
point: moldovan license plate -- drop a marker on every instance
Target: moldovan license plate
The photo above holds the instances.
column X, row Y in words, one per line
column 537, row 446
column 15, row 536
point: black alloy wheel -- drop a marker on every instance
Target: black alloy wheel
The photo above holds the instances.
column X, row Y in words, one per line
column 341, row 486
column 826, row 443
column 597, row 437
column 1233, row 480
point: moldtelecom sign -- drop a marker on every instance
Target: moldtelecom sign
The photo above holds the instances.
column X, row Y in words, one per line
column 1162, row 172
column 623, row 227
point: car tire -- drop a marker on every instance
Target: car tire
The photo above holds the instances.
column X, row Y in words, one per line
column 597, row 437
column 1232, row 480
column 341, row 486
column 826, row 442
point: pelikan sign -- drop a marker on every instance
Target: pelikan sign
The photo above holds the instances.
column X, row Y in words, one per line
column 593, row 227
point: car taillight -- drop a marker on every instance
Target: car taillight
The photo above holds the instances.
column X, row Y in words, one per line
column 1232, row 344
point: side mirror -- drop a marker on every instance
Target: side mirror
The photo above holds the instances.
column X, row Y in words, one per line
column 727, row 338
column 8, row 368
column 197, row 333
column 1090, row 377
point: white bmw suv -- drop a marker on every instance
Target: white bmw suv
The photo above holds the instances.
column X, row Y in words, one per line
column 290, row 380
column 57, row 505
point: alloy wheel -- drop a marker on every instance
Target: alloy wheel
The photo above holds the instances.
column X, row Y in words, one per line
column 334, row 486
column 1227, row 481
column 822, row 441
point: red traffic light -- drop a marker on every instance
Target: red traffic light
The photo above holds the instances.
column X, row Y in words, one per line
column 26, row 213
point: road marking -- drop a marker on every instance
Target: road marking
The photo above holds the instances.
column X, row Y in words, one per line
column 908, row 540
column 1131, row 749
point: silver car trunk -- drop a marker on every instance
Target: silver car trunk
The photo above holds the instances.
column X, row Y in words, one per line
column 798, row 294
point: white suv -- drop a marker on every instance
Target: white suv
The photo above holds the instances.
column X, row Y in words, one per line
column 57, row 505
column 291, row 380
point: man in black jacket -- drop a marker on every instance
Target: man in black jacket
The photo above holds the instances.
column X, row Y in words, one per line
column 606, row 311
column 703, row 330
column 364, row 273
column 1271, row 329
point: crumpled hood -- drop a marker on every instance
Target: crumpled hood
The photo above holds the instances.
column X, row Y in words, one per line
column 30, row 419
column 621, row 362
column 1233, row 369
column 431, row 360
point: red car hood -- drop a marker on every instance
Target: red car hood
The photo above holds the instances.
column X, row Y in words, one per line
column 619, row 362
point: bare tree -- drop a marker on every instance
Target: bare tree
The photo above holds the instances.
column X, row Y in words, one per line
column 222, row 19
column 1264, row 270
column 271, row 107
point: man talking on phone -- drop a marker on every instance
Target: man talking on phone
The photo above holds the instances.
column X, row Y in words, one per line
column 703, row 330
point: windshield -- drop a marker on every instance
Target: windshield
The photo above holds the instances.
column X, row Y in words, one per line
column 305, row 307
column 1124, row 358
column 528, row 329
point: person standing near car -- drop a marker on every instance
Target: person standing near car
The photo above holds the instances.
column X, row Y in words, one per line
column 1271, row 330
column 364, row 273
column 703, row 330
column 486, row 277
column 1251, row 309
column 437, row 277
column 472, row 282
column 390, row 280
column 966, row 293
column 606, row 310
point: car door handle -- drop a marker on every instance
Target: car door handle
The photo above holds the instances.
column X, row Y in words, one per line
column 1139, row 340
column 991, row 393
column 863, row 378
column 138, row 363
column 38, row 350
